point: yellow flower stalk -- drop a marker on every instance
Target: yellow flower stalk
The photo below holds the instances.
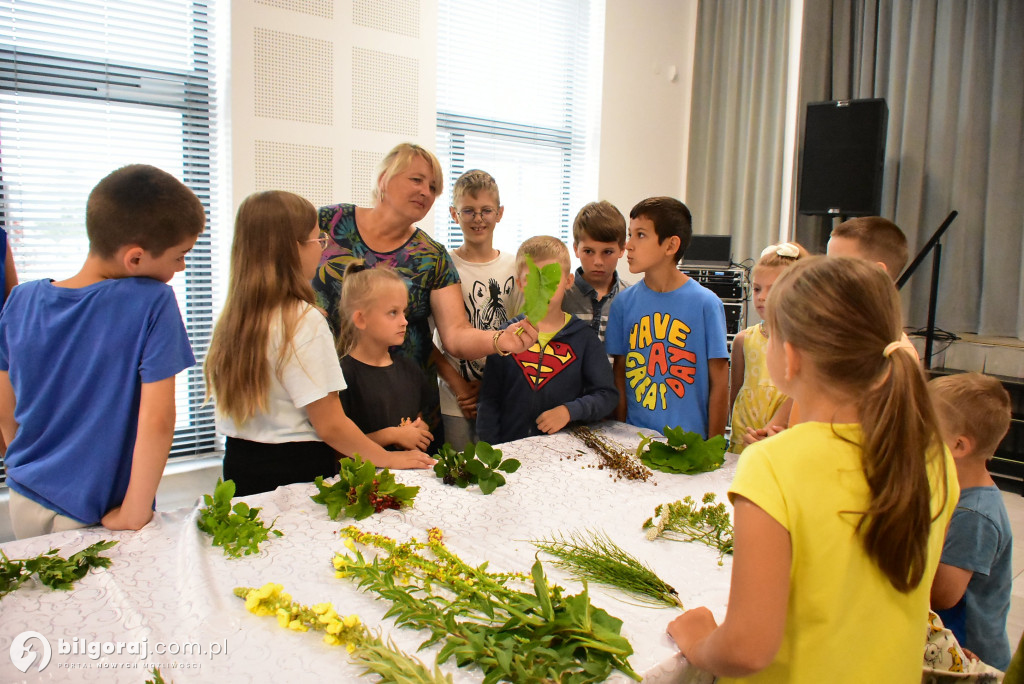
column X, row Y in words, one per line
column 366, row 648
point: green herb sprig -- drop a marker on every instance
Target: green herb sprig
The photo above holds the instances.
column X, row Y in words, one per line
column 684, row 452
column 361, row 491
column 684, row 521
column 157, row 677
column 52, row 570
column 478, row 464
column 512, row 635
column 541, row 284
column 237, row 529
column 594, row 556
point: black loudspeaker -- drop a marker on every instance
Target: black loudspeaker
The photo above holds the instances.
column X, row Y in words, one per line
column 844, row 155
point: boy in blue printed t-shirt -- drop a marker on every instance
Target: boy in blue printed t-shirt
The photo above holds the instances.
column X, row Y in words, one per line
column 972, row 585
column 87, row 364
column 666, row 334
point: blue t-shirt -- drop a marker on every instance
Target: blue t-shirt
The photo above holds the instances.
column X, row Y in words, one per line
column 667, row 339
column 77, row 359
column 980, row 540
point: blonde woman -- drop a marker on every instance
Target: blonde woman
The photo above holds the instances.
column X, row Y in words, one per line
column 408, row 182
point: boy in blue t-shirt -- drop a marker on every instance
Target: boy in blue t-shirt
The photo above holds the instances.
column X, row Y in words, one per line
column 666, row 334
column 971, row 589
column 87, row 364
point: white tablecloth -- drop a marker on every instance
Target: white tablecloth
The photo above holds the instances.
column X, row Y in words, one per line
column 169, row 587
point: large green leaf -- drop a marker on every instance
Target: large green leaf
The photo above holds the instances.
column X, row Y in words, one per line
column 683, row 452
column 541, row 284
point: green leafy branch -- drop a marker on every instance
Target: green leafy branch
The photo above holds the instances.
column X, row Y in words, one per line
column 361, row 491
column 480, row 620
column 479, row 464
column 684, row 452
column 684, row 521
column 237, row 529
column 541, row 284
column 52, row 570
column 598, row 559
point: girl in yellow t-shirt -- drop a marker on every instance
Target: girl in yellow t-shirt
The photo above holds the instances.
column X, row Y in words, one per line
column 757, row 404
column 839, row 521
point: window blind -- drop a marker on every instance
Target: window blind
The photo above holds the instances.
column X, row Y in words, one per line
column 87, row 86
column 518, row 96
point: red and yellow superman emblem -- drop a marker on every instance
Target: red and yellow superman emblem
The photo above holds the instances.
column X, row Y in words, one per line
column 540, row 366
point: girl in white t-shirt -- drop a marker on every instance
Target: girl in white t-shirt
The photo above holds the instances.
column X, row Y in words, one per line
column 272, row 367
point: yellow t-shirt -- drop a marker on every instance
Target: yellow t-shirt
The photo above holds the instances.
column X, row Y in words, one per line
column 845, row 622
column 758, row 399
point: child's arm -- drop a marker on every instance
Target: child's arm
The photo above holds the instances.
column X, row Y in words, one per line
column 152, row 444
column 342, row 435
column 619, row 371
column 718, row 396
column 736, row 366
column 949, row 586
column 411, row 434
column 465, row 392
column 8, row 427
column 749, row 637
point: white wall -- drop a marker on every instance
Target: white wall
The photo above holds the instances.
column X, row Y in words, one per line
column 321, row 90
column 645, row 109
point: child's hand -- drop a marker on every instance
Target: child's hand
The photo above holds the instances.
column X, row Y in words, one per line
column 413, row 434
column 691, row 627
column 761, row 433
column 467, row 398
column 553, row 420
column 118, row 518
column 405, row 460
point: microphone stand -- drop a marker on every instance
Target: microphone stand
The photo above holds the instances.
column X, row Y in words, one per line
column 933, row 293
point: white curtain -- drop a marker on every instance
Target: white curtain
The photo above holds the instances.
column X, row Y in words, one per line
column 737, row 127
column 951, row 73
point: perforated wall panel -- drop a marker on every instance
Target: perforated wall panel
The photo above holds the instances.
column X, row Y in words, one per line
column 293, row 77
column 385, row 92
column 316, row 8
column 364, row 168
column 306, row 170
column 397, row 16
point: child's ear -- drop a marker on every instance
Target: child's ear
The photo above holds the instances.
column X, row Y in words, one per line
column 960, row 446
column 455, row 216
column 359, row 319
column 131, row 258
column 576, row 249
column 671, row 245
column 499, row 214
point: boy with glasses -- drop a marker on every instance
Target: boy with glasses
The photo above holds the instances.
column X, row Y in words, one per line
column 489, row 293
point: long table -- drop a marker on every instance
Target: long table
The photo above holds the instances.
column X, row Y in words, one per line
column 169, row 593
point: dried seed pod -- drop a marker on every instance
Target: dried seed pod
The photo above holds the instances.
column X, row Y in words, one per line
column 623, row 463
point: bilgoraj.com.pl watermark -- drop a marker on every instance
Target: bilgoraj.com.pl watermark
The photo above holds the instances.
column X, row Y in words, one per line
column 34, row 650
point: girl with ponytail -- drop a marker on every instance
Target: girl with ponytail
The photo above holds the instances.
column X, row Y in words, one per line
column 839, row 520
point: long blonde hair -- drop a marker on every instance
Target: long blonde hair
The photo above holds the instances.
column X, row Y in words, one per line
column 266, row 281
column 842, row 313
column 358, row 288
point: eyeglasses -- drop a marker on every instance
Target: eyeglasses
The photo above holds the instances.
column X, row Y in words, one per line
column 323, row 239
column 470, row 215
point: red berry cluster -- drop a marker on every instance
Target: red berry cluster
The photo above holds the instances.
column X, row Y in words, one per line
column 377, row 500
